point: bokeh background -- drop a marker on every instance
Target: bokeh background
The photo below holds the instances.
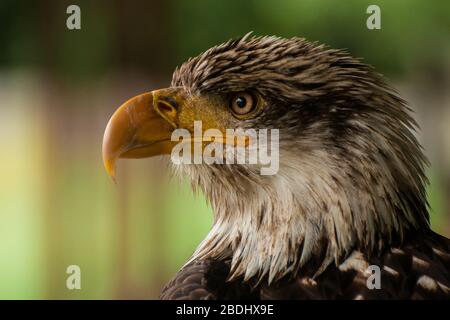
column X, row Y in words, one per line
column 59, row 87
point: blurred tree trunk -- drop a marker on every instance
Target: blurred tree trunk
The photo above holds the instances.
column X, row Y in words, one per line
column 143, row 30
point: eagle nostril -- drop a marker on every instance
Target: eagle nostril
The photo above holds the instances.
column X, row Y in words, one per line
column 166, row 103
column 167, row 111
column 165, row 107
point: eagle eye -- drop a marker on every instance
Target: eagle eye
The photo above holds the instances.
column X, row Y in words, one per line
column 242, row 103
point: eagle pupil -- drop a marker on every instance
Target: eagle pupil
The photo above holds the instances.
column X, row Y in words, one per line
column 241, row 102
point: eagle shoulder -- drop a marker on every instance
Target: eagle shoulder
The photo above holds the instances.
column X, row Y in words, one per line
column 206, row 280
column 418, row 270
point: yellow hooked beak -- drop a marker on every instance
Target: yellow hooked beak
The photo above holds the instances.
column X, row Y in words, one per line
column 141, row 128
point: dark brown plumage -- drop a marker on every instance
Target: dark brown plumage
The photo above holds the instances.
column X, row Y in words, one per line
column 350, row 191
column 411, row 271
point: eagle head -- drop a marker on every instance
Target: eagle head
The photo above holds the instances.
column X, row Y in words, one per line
column 351, row 172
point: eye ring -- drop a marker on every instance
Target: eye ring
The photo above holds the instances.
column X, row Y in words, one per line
column 243, row 103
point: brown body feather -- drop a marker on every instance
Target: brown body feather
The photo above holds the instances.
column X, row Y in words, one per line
column 413, row 271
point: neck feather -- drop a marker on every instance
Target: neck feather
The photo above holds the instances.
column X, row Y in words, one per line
column 320, row 207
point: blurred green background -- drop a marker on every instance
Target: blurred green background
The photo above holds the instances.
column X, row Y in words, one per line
column 58, row 88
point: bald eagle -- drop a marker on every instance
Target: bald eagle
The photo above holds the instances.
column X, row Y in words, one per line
column 349, row 193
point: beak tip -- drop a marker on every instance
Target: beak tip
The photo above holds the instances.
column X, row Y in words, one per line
column 132, row 132
column 113, row 178
column 110, row 168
